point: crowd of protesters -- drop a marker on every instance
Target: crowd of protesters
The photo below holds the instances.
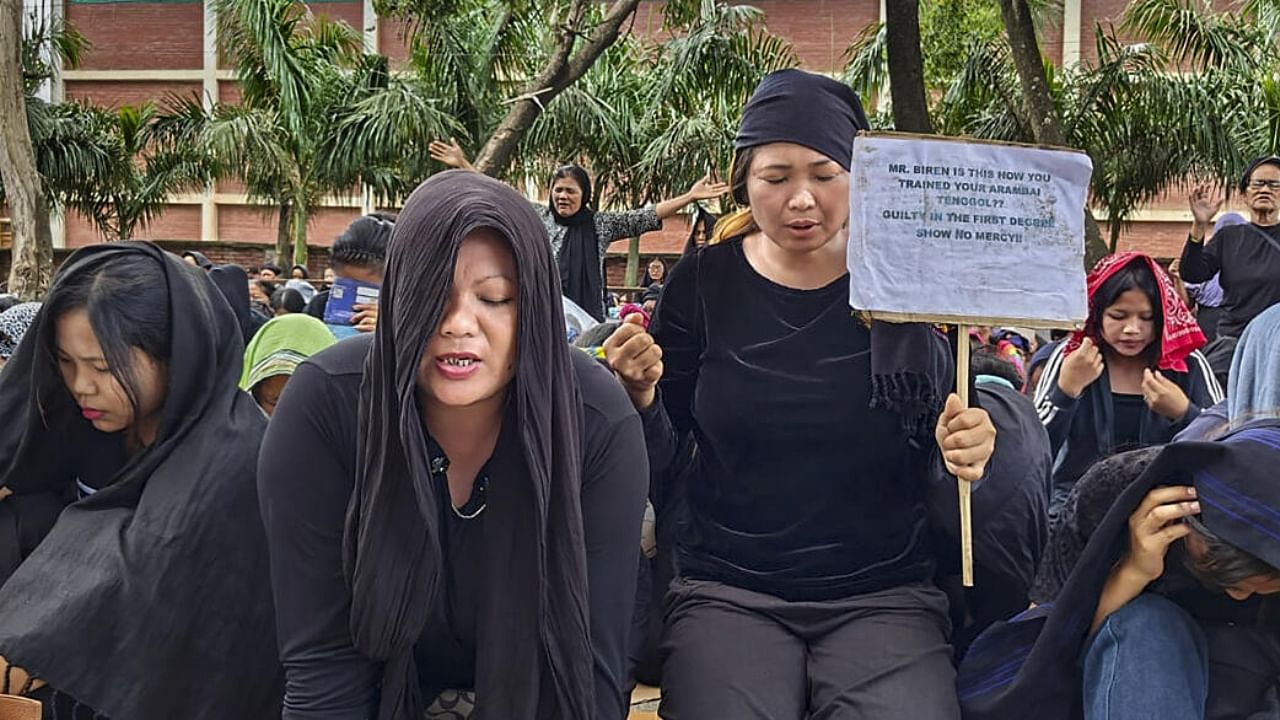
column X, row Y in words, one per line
column 458, row 478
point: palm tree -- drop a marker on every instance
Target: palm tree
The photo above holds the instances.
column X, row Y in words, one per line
column 299, row 133
column 152, row 156
column 653, row 118
column 67, row 153
column 700, row 81
column 1147, row 128
column 512, row 57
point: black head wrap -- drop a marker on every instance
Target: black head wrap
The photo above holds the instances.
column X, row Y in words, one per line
column 534, row 657
column 167, row 564
column 799, row 107
column 1254, row 165
column 705, row 221
column 1029, row 665
column 233, row 283
column 202, row 261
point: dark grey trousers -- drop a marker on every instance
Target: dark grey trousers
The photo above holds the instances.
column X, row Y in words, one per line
column 733, row 654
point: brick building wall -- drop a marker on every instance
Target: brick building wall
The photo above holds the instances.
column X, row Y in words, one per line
column 148, row 50
column 220, row 253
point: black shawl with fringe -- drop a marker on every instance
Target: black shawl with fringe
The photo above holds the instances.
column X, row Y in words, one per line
column 534, row 656
column 151, row 598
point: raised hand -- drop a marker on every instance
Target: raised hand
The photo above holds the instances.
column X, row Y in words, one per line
column 1205, row 203
column 449, row 153
column 707, row 189
column 636, row 359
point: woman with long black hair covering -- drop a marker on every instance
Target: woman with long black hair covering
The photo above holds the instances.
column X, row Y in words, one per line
column 455, row 501
column 150, row 596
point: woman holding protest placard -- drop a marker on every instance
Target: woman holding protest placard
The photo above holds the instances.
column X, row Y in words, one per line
column 1133, row 377
column 805, row 583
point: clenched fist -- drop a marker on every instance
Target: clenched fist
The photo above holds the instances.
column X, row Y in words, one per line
column 636, row 359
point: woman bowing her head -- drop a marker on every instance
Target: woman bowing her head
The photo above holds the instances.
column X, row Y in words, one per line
column 149, row 596
column 453, row 502
column 808, row 527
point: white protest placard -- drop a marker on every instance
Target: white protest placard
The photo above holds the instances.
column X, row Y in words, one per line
column 954, row 230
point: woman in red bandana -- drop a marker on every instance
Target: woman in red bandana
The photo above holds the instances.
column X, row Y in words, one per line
column 1133, row 377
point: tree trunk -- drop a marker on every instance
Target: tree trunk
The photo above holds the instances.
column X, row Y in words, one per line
column 561, row 71
column 299, row 235
column 633, row 263
column 284, row 233
column 31, row 260
column 1043, row 114
column 906, row 67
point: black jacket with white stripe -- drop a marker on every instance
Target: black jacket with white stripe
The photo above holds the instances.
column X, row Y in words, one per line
column 1081, row 430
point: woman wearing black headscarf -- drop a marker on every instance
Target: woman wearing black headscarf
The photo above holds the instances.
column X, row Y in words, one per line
column 701, row 230
column 197, row 259
column 455, row 500
column 580, row 236
column 150, row 597
column 233, row 283
column 806, row 572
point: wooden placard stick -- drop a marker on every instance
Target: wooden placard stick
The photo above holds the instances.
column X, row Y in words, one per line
column 964, row 487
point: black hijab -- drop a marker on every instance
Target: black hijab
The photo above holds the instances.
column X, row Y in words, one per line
column 233, row 282
column 534, row 656
column 150, row 598
column 704, row 220
column 202, row 261
column 1028, row 666
column 580, row 254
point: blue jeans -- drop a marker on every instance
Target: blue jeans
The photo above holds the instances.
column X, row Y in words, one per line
column 1148, row 660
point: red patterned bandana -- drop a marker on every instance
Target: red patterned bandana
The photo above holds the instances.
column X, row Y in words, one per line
column 1181, row 335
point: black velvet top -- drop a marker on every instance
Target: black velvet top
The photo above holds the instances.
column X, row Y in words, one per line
column 801, row 490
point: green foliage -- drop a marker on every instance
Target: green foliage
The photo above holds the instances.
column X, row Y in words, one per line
column 1191, row 92
column 117, row 168
column 649, row 118
column 949, row 29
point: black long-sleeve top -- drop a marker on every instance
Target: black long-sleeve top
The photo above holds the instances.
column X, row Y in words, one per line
column 306, row 476
column 1086, row 429
column 801, row 490
column 1248, row 258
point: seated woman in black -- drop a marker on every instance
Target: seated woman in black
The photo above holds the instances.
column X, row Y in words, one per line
column 1134, row 377
column 805, row 578
column 150, row 595
column 454, row 501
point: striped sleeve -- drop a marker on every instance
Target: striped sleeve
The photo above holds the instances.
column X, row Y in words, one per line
column 1054, row 407
column 1205, row 390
